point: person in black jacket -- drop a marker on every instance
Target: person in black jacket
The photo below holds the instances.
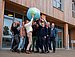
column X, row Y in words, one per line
column 43, row 38
column 38, row 40
column 13, row 33
column 16, row 33
column 47, row 29
column 53, row 34
column 34, row 37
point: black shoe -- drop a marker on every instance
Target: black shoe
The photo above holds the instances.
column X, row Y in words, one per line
column 11, row 49
column 22, row 50
column 28, row 52
column 47, row 51
column 53, row 51
column 18, row 51
column 31, row 51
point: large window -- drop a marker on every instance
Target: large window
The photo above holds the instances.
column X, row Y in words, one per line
column 73, row 8
column 58, row 4
column 6, row 41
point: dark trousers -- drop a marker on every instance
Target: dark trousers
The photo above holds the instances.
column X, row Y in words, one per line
column 52, row 40
column 38, row 43
column 26, row 44
column 34, row 38
column 44, row 43
column 12, row 43
column 16, row 42
column 47, row 43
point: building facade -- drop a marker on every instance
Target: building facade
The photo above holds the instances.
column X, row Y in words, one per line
column 61, row 12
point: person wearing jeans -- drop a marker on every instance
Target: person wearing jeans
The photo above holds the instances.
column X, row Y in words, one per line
column 21, row 44
column 22, row 37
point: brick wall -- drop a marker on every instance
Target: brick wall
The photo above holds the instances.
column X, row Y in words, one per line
column 1, row 19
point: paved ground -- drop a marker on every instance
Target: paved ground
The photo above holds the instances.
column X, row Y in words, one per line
column 59, row 53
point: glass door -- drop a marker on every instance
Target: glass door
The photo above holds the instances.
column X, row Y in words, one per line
column 6, row 38
column 59, row 39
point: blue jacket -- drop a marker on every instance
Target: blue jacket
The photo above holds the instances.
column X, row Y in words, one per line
column 53, row 33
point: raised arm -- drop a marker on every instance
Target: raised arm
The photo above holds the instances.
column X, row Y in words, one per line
column 45, row 20
column 30, row 23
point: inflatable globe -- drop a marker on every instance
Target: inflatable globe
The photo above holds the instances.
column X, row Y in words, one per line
column 33, row 11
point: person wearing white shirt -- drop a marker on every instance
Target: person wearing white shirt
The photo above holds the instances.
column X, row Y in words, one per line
column 29, row 30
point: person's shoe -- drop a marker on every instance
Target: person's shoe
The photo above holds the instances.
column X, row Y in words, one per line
column 28, row 52
column 22, row 50
column 18, row 51
column 31, row 51
column 11, row 49
column 47, row 51
column 53, row 51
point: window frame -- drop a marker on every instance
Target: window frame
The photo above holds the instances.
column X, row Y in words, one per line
column 73, row 9
column 59, row 3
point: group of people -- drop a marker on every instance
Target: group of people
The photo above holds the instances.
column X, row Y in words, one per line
column 33, row 36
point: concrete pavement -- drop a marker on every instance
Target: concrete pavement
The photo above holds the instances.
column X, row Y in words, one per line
column 59, row 53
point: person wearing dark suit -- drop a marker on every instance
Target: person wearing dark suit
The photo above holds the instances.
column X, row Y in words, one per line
column 43, row 38
column 38, row 40
column 47, row 29
column 53, row 34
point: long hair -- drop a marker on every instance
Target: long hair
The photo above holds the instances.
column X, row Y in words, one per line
column 12, row 25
